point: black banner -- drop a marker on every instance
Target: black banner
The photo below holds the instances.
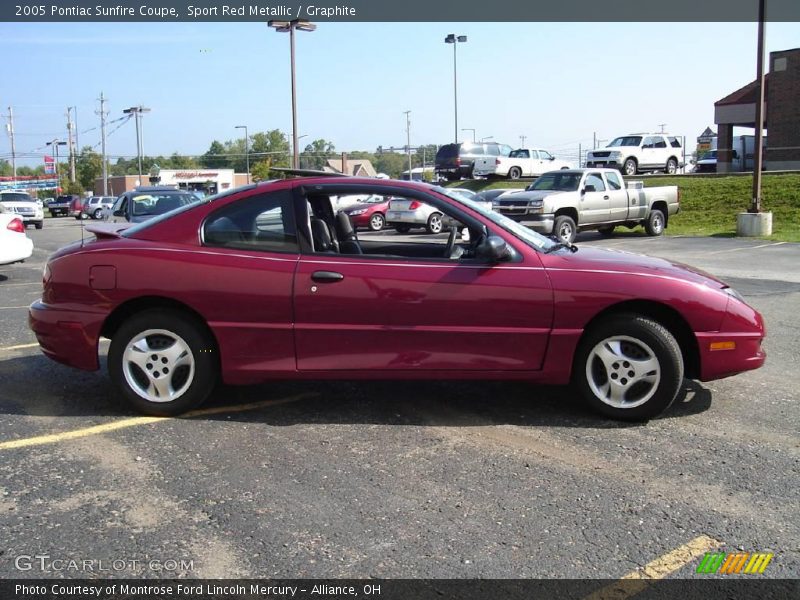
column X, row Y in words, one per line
column 731, row 588
column 389, row 10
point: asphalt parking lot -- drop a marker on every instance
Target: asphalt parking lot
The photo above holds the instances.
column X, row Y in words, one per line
column 404, row 479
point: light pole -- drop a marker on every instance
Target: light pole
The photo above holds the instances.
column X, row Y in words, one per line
column 488, row 137
column 470, row 129
column 283, row 27
column 455, row 40
column 137, row 111
column 56, row 143
column 408, row 141
column 246, row 149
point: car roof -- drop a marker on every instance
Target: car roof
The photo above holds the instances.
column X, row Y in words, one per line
column 158, row 188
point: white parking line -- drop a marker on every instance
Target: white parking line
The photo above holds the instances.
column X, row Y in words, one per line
column 11, row 307
column 770, row 245
column 4, row 285
column 19, row 347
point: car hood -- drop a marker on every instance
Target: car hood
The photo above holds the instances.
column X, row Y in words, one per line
column 604, row 259
column 533, row 195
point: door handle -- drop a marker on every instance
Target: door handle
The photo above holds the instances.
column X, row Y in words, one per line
column 326, row 276
column 605, row 197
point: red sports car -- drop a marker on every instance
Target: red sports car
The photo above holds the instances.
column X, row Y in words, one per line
column 268, row 282
column 370, row 213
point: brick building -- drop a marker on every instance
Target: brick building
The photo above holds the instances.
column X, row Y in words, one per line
column 781, row 114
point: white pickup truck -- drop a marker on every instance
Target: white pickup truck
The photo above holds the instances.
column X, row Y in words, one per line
column 522, row 162
column 561, row 203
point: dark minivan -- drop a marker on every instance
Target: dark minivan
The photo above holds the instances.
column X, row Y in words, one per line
column 454, row 161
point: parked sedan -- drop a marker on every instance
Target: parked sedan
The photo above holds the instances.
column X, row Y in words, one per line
column 406, row 214
column 266, row 282
column 15, row 245
column 369, row 213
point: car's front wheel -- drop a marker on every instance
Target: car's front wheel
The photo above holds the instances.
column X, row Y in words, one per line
column 97, row 214
column 163, row 361
column 630, row 167
column 565, row 229
column 629, row 367
column 377, row 222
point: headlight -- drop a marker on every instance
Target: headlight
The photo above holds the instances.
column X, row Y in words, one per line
column 615, row 154
column 358, row 212
column 734, row 294
column 536, row 203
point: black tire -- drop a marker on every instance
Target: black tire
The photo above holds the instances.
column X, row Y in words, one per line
column 402, row 228
column 377, row 222
column 606, row 231
column 655, row 223
column 630, row 167
column 435, row 223
column 564, row 229
column 514, row 173
column 202, row 351
column 648, row 393
column 672, row 167
column 39, row 224
column 97, row 214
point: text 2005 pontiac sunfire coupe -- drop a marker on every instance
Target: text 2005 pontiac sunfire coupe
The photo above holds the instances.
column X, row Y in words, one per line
column 268, row 282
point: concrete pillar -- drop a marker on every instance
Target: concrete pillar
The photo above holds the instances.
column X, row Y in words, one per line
column 724, row 148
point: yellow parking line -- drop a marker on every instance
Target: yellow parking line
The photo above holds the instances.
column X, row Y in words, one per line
column 636, row 581
column 19, row 347
column 136, row 421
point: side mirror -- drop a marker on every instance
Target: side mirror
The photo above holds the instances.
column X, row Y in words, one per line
column 552, row 158
column 493, row 249
column 589, row 188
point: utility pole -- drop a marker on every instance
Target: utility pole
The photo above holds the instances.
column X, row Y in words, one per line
column 522, row 139
column 10, row 127
column 137, row 111
column 70, row 145
column 594, row 140
column 103, row 113
column 758, row 151
column 662, row 125
column 408, row 140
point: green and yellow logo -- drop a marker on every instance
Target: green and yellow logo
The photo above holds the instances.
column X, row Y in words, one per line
column 735, row 562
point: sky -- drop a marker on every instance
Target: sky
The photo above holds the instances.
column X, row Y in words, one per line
column 558, row 84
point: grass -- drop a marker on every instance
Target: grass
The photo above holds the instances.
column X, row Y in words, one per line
column 709, row 205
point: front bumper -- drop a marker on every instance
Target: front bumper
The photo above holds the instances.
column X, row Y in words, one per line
column 741, row 335
column 67, row 336
column 603, row 163
column 538, row 221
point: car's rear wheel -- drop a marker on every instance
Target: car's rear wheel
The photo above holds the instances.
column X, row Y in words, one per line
column 514, row 173
column 630, row 167
column 377, row 222
column 655, row 223
column 565, row 229
column 163, row 361
column 628, row 367
column 435, row 223
column 672, row 166
column 402, row 228
column 39, row 224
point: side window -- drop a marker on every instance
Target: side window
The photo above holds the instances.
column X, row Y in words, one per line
column 505, row 150
column 534, row 154
column 674, row 142
column 660, row 142
column 649, row 142
column 492, row 150
column 264, row 223
column 613, row 181
column 544, row 155
column 597, row 181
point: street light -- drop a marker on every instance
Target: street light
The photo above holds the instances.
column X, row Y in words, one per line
column 470, row 129
column 455, row 40
column 137, row 111
column 56, row 143
column 488, row 137
column 283, row 27
column 246, row 149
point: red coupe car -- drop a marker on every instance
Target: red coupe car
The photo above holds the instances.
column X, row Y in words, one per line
column 268, row 282
column 370, row 213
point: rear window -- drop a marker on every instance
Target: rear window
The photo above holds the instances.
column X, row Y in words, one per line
column 448, row 151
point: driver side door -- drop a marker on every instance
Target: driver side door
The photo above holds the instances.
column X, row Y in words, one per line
column 389, row 313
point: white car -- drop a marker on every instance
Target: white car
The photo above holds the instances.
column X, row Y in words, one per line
column 15, row 245
column 639, row 152
column 24, row 205
column 522, row 162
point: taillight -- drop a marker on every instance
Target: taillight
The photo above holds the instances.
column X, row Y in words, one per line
column 415, row 204
column 497, row 161
column 458, row 162
column 16, row 225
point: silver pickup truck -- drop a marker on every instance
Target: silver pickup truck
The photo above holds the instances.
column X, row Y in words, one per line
column 564, row 202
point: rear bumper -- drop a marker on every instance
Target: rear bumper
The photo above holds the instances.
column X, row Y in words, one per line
column 411, row 217
column 16, row 252
column 66, row 336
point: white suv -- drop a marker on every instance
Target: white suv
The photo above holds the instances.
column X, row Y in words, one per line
column 639, row 152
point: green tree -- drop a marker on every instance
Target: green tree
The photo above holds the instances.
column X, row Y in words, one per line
column 391, row 163
column 5, row 169
column 215, row 157
column 88, row 167
column 178, row 161
column 316, row 154
column 26, row 171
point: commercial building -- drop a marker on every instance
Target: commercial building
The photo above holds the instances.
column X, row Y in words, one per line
column 207, row 181
column 781, row 114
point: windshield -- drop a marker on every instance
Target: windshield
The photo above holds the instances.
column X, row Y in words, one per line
column 158, row 203
column 630, row 140
column 558, row 181
column 15, row 197
column 522, row 233
column 712, row 154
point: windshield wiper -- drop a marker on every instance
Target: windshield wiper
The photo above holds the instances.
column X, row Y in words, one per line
column 560, row 245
